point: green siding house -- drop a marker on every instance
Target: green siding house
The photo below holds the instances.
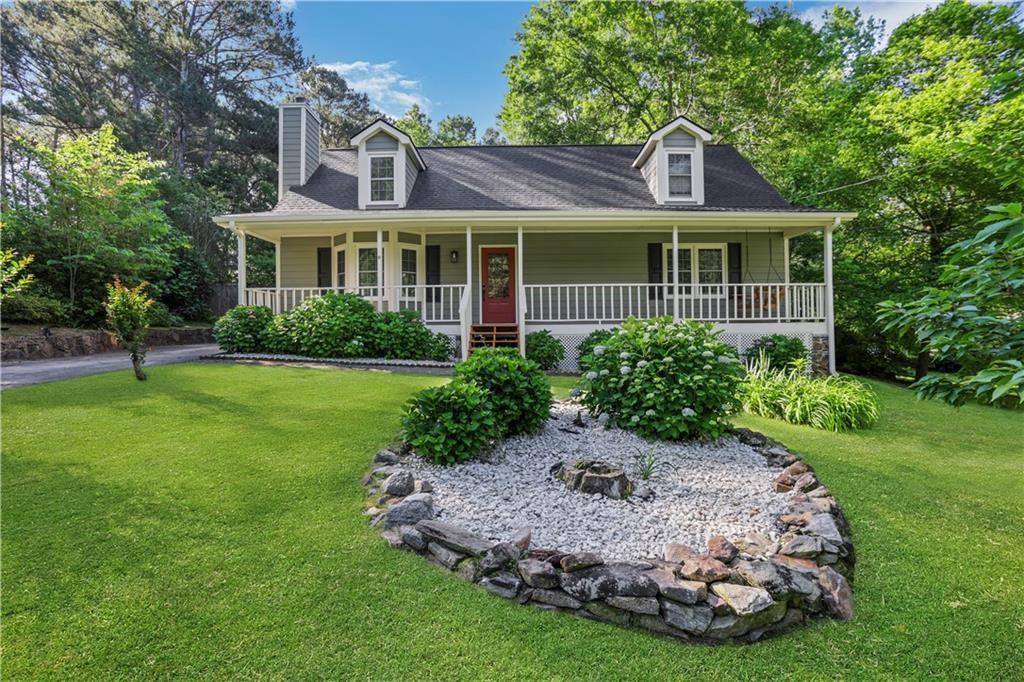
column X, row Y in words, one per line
column 489, row 243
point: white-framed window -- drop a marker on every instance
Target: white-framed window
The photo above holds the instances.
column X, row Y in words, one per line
column 382, row 178
column 367, row 265
column 408, row 274
column 680, row 175
column 699, row 264
column 339, row 255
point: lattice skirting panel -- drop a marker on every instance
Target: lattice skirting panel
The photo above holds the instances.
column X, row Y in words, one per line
column 740, row 341
column 455, row 346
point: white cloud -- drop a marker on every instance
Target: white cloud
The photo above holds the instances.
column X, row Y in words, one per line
column 893, row 13
column 389, row 90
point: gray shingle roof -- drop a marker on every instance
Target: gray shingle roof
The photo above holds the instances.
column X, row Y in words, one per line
column 557, row 177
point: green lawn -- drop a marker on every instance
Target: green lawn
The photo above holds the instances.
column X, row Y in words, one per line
column 207, row 523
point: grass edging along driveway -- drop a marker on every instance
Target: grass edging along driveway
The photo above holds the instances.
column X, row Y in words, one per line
column 207, row 523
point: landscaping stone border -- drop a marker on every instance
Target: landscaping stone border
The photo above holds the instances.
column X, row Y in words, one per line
column 353, row 362
column 74, row 343
column 740, row 590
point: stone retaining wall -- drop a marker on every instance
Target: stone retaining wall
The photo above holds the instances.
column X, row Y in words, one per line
column 741, row 589
column 91, row 341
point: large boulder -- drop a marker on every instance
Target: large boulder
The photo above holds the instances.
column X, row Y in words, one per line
column 704, row 569
column 682, row 591
column 555, row 598
column 580, row 560
column 836, row 594
column 648, row 605
column 399, row 484
column 743, row 600
column 503, row 555
column 608, row 580
column 595, row 478
column 781, row 581
column 538, row 573
column 729, row 625
column 692, row 619
column 503, row 584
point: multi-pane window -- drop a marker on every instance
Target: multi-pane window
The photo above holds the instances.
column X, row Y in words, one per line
column 685, row 265
column 367, row 268
column 341, row 269
column 680, row 176
column 382, row 178
column 409, row 272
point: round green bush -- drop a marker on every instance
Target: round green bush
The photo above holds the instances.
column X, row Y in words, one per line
column 34, row 308
column 403, row 335
column 595, row 338
column 450, row 423
column 544, row 349
column 330, row 326
column 781, row 351
column 664, row 380
column 520, row 392
column 243, row 329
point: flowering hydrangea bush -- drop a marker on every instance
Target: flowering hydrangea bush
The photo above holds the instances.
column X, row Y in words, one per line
column 243, row 329
column 664, row 380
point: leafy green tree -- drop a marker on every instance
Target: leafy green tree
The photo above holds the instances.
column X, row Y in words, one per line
column 975, row 317
column 416, row 124
column 100, row 215
column 455, row 130
column 13, row 275
column 128, row 319
column 342, row 110
column 493, row 137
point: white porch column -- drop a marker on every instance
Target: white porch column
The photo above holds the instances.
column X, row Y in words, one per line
column 829, row 311
column 380, row 269
column 278, row 296
column 675, row 273
column 785, row 258
column 520, row 316
column 241, row 263
column 469, row 266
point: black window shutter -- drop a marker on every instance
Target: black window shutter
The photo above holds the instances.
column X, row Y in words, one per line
column 735, row 263
column 654, row 270
column 433, row 254
column 323, row 267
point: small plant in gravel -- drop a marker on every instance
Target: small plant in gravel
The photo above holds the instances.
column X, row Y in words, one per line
column 544, row 349
column 243, row 329
column 780, row 350
column 598, row 337
column 329, row 326
column 648, row 465
column 520, row 392
column 451, row 423
column 128, row 319
column 664, row 380
column 833, row 403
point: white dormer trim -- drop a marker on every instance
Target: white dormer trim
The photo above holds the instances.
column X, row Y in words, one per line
column 658, row 146
column 405, row 153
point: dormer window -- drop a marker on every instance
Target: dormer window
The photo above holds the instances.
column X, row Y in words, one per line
column 382, row 178
column 680, row 175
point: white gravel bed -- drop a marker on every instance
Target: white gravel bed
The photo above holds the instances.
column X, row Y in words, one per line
column 707, row 489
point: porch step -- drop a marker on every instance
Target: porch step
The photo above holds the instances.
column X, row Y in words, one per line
column 493, row 336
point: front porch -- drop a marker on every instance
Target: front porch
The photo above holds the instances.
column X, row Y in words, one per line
column 568, row 281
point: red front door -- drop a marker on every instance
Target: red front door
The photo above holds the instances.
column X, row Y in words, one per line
column 498, row 285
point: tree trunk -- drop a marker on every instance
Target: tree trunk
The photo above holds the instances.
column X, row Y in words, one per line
column 924, row 359
column 137, row 366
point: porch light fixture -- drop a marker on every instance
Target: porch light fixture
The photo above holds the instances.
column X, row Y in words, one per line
column 455, row 256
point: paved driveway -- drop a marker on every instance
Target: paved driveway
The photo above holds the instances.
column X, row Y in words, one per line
column 42, row 371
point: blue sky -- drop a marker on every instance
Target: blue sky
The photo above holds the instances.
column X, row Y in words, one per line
column 448, row 56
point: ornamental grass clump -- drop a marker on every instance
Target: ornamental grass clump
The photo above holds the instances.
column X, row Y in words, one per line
column 834, row 403
column 243, row 329
column 451, row 423
column 519, row 391
column 663, row 380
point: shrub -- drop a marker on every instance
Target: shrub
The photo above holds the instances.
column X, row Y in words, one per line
column 664, row 380
column 520, row 392
column 329, row 326
column 780, row 350
column 403, row 335
column 34, row 308
column 243, row 329
column 598, row 337
column 161, row 316
column 128, row 319
column 833, row 403
column 544, row 349
column 450, row 423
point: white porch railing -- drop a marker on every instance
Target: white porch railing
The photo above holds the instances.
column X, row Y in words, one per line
column 436, row 303
column 550, row 303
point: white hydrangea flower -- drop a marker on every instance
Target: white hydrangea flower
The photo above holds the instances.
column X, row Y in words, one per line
column 650, row 413
column 707, row 354
column 624, row 370
column 650, row 396
column 724, row 359
column 604, row 372
column 591, row 375
column 635, row 419
column 599, row 350
column 688, row 412
column 706, row 368
column 642, row 364
column 667, row 358
column 623, row 355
